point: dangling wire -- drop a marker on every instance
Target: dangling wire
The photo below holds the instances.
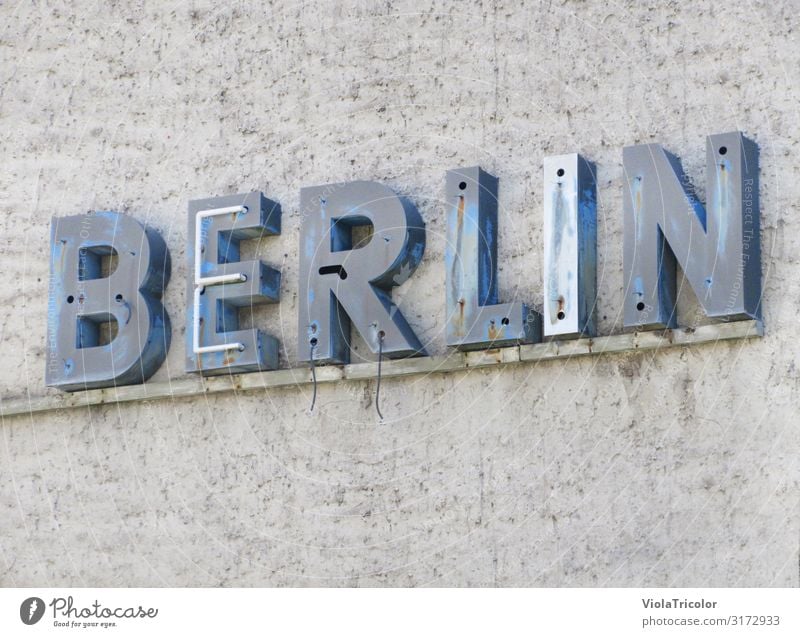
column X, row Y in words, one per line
column 378, row 387
column 312, row 345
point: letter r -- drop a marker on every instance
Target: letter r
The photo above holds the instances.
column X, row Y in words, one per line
column 345, row 279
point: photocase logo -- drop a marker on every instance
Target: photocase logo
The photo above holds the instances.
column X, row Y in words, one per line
column 66, row 613
column 31, row 610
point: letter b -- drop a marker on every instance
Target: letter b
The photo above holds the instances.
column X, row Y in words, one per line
column 106, row 324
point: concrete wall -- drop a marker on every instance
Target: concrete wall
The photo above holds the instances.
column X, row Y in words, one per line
column 674, row 468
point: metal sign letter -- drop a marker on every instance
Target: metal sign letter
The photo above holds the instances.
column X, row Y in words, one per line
column 665, row 224
column 106, row 324
column 570, row 246
column 344, row 279
column 475, row 319
column 220, row 285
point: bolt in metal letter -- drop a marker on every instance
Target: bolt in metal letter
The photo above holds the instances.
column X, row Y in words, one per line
column 665, row 224
column 570, row 246
column 475, row 319
column 106, row 324
column 220, row 285
column 344, row 280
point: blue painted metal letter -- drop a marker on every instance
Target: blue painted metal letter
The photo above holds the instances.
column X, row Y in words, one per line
column 717, row 246
column 475, row 319
column 220, row 285
column 344, row 279
column 570, row 252
column 106, row 324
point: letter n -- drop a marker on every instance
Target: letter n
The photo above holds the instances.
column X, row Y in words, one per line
column 717, row 246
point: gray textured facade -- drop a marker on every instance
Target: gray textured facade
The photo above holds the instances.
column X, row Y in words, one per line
column 670, row 467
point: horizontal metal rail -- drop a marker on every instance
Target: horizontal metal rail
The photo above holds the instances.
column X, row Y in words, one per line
column 453, row 362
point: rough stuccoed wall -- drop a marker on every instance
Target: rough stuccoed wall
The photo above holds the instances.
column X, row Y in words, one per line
column 675, row 468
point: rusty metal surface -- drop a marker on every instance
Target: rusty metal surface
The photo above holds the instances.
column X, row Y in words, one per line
column 85, row 300
column 666, row 225
column 220, row 304
column 344, row 285
column 570, row 246
column 475, row 318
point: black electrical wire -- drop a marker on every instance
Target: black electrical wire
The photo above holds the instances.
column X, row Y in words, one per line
column 312, row 344
column 378, row 387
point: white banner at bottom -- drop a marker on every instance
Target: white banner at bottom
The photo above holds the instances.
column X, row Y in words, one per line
column 388, row 612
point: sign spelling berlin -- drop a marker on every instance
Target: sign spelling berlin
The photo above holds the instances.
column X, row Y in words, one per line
column 358, row 240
